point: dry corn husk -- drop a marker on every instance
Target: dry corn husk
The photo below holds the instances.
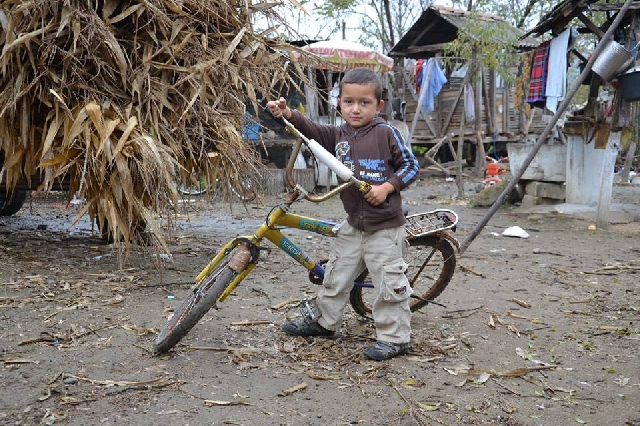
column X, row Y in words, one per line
column 124, row 98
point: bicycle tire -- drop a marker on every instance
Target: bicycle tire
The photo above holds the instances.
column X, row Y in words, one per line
column 200, row 189
column 432, row 262
column 192, row 190
column 10, row 205
column 200, row 299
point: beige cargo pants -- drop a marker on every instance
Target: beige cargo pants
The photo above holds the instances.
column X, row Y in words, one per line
column 381, row 252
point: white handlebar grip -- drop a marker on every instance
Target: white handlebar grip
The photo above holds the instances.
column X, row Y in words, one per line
column 332, row 162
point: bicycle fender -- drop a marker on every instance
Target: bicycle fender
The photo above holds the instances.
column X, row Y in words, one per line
column 448, row 235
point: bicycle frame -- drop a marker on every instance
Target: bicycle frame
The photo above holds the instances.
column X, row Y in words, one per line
column 430, row 231
column 280, row 217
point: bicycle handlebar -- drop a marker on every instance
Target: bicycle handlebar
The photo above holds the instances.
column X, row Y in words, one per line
column 326, row 158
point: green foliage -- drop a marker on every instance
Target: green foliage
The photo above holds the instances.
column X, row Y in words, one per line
column 418, row 150
column 520, row 13
column 333, row 8
column 492, row 43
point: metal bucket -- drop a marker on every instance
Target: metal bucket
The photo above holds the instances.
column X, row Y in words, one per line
column 630, row 85
column 613, row 60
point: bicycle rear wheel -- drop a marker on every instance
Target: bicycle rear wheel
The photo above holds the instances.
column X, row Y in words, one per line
column 431, row 260
column 197, row 303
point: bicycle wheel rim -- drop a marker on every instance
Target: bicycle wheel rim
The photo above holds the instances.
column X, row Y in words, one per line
column 193, row 189
column 431, row 263
column 198, row 302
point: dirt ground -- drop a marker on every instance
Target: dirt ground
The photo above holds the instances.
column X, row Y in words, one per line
column 537, row 331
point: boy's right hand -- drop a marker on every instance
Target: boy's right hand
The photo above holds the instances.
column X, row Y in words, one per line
column 279, row 109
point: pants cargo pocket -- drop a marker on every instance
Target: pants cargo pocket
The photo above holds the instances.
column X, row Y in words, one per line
column 329, row 267
column 396, row 286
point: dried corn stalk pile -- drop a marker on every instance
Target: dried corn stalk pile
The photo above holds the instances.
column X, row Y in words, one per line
column 124, row 98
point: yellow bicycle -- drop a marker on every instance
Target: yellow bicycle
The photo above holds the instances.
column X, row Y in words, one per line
column 431, row 252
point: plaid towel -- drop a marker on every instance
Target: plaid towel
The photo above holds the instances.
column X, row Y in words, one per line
column 538, row 79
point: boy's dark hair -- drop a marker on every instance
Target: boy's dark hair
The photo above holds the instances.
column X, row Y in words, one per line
column 363, row 76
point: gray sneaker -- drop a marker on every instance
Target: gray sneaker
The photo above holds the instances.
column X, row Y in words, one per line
column 386, row 350
column 302, row 327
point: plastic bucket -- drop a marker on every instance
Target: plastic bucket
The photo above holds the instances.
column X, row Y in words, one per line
column 613, row 60
column 629, row 84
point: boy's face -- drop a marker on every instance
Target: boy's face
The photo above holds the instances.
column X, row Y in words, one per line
column 358, row 104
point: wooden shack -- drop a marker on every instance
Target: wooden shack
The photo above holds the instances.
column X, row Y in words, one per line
column 496, row 122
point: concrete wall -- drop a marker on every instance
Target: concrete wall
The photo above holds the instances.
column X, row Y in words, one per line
column 549, row 164
column 590, row 171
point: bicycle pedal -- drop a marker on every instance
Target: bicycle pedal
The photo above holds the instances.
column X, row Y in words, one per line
column 309, row 310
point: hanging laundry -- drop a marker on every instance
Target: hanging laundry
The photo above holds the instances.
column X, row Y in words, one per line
column 538, row 78
column 469, row 104
column 521, row 87
column 556, row 87
column 417, row 76
column 433, row 86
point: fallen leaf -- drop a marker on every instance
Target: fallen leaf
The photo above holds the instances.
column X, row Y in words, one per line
column 18, row 360
column 250, row 322
column 319, row 377
column 69, row 399
column 211, row 402
column 428, row 407
column 514, row 329
column 284, row 304
column 511, row 314
column 521, row 302
column 118, row 298
column 296, row 388
column 483, row 378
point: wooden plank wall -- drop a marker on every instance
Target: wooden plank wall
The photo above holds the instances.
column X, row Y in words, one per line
column 509, row 131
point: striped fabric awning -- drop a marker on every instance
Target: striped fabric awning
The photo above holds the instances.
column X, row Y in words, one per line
column 341, row 55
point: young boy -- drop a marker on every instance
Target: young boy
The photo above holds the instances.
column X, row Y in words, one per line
column 373, row 233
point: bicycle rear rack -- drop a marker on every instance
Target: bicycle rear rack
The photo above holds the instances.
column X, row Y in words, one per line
column 421, row 224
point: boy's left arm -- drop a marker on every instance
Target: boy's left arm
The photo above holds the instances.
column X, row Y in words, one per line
column 405, row 164
column 405, row 170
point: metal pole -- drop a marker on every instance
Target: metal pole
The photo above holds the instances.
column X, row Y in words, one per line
column 545, row 134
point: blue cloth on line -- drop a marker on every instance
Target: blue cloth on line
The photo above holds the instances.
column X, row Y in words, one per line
column 433, row 86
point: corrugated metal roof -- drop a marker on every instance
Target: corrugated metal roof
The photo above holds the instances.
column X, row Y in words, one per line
column 439, row 25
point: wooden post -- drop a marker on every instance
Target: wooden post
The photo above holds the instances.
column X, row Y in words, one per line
column 481, row 161
column 606, row 182
column 631, row 152
column 310, row 94
column 459, row 180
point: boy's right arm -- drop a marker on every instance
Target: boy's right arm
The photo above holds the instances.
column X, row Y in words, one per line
column 324, row 135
